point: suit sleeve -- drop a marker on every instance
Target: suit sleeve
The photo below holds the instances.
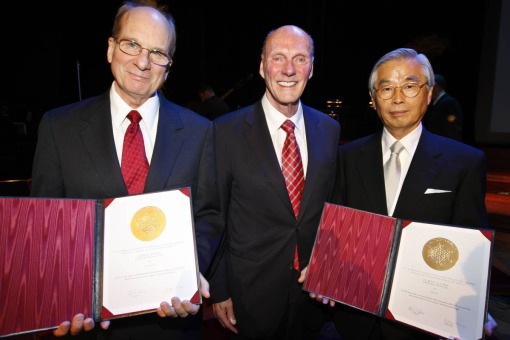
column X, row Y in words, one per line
column 218, row 275
column 338, row 188
column 46, row 171
column 469, row 207
column 208, row 220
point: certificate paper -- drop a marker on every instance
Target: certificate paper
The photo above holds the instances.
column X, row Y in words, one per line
column 429, row 276
column 440, row 280
column 149, row 253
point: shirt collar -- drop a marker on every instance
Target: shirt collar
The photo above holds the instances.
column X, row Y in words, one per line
column 120, row 109
column 410, row 142
column 275, row 118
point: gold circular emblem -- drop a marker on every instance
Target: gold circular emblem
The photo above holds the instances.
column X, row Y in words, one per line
column 148, row 223
column 440, row 253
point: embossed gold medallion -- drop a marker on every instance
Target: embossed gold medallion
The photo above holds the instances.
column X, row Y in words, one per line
column 148, row 223
column 440, row 253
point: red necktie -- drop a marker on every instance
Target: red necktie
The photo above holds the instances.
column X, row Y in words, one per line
column 134, row 161
column 292, row 169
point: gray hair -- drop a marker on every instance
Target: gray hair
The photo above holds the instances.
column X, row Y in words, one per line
column 402, row 54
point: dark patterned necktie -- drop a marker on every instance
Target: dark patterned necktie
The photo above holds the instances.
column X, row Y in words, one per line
column 292, row 168
column 134, row 161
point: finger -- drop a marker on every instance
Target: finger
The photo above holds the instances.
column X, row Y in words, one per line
column 231, row 316
column 225, row 322
column 178, row 307
column 231, row 327
column 224, row 312
column 204, row 287
column 62, row 329
column 302, row 275
column 88, row 324
column 221, row 314
column 77, row 324
column 165, row 309
column 489, row 325
column 321, row 298
column 190, row 308
column 105, row 324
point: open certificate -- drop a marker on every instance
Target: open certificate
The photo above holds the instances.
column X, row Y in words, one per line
column 104, row 258
column 429, row 276
column 440, row 280
column 149, row 253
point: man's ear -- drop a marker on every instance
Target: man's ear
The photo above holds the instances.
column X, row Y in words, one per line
column 372, row 101
column 261, row 69
column 111, row 49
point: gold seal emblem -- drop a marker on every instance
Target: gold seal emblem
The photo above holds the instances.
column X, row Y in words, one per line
column 440, row 253
column 148, row 223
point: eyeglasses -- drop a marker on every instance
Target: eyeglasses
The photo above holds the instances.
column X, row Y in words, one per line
column 133, row 48
column 409, row 90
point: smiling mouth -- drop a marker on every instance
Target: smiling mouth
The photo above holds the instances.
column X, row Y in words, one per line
column 287, row 83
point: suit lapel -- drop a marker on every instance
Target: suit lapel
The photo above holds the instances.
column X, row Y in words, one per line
column 259, row 139
column 169, row 142
column 370, row 167
column 97, row 138
column 422, row 171
column 315, row 139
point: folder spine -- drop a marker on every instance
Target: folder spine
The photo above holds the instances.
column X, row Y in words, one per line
column 390, row 269
column 97, row 294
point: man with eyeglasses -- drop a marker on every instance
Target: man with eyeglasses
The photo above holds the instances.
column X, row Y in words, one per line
column 80, row 149
column 441, row 180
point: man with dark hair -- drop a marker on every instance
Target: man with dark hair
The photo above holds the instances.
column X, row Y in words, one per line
column 211, row 105
column 444, row 113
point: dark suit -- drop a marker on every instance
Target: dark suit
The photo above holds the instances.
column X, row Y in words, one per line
column 438, row 163
column 255, row 268
column 213, row 107
column 76, row 158
column 445, row 117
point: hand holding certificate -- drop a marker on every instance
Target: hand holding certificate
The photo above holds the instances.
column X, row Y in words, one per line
column 432, row 277
column 104, row 259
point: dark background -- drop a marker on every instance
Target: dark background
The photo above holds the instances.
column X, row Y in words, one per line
column 53, row 54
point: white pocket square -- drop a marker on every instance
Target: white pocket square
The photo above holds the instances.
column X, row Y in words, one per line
column 436, row 191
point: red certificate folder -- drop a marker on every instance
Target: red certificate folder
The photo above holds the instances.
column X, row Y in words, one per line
column 429, row 276
column 54, row 256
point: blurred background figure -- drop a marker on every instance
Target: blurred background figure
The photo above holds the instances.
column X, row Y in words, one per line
column 211, row 105
column 444, row 114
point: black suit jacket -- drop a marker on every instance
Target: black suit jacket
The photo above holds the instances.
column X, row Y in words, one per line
column 438, row 163
column 76, row 158
column 255, row 268
column 445, row 117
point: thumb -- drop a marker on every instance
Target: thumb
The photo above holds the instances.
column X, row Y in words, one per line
column 204, row 287
column 302, row 276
